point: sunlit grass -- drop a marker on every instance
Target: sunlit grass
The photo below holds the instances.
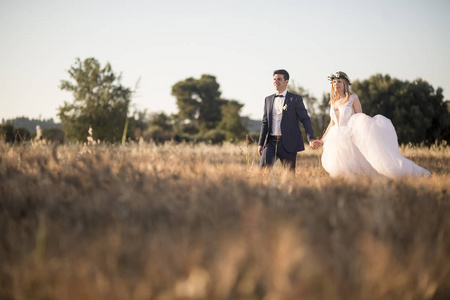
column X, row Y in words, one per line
column 182, row 221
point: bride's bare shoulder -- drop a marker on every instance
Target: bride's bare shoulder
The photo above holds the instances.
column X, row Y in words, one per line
column 354, row 97
column 356, row 104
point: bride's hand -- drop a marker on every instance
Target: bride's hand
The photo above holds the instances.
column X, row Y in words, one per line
column 315, row 144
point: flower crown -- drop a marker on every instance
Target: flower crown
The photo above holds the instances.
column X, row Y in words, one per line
column 339, row 75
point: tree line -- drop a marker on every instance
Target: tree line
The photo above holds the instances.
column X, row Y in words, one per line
column 103, row 106
column 23, row 129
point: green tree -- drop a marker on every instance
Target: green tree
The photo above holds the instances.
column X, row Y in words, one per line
column 100, row 100
column 203, row 113
column 7, row 132
column 231, row 122
column 417, row 111
column 160, row 127
column 199, row 101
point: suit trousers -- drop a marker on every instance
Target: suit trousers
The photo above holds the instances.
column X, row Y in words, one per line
column 275, row 149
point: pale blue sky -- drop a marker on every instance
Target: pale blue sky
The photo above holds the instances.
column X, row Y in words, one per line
column 239, row 41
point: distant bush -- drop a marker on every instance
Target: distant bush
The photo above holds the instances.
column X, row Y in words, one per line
column 214, row 136
column 54, row 135
column 7, row 132
column 11, row 134
column 158, row 135
column 21, row 134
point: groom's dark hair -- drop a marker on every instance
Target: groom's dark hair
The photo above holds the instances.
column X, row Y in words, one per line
column 282, row 72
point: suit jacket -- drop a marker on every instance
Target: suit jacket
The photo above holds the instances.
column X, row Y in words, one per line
column 290, row 127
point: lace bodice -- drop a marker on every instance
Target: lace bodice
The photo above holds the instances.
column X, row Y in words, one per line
column 344, row 112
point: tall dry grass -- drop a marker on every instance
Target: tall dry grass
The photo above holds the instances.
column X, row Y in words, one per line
column 204, row 222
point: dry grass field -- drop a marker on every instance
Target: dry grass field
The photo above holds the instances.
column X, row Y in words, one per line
column 204, row 222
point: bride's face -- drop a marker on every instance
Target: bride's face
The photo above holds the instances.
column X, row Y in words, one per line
column 338, row 85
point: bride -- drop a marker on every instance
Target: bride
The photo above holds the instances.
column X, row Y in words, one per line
column 356, row 144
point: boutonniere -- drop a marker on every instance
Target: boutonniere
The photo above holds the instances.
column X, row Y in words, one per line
column 285, row 107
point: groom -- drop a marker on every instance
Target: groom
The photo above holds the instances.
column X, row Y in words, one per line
column 280, row 135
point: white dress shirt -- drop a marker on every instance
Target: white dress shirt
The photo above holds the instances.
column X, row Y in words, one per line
column 277, row 114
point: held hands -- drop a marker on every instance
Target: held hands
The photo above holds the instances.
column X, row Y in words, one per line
column 315, row 144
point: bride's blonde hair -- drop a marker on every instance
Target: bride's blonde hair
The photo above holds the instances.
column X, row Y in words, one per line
column 333, row 94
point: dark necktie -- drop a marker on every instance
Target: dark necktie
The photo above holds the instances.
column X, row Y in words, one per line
column 279, row 96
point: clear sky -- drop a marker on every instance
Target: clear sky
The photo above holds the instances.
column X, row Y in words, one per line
column 240, row 42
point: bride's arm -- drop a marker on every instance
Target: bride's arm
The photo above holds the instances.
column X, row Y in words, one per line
column 357, row 105
column 321, row 141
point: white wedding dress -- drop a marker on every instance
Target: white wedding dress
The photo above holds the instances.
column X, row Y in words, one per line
column 360, row 145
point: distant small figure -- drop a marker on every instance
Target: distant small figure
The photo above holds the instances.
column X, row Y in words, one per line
column 90, row 137
column 38, row 133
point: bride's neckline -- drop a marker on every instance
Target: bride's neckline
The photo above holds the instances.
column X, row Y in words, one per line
column 339, row 107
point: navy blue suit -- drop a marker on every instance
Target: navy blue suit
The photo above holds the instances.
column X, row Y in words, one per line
column 291, row 142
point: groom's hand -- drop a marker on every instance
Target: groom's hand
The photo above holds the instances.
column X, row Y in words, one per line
column 313, row 144
column 260, row 149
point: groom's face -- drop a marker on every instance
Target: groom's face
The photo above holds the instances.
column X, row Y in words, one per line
column 279, row 82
